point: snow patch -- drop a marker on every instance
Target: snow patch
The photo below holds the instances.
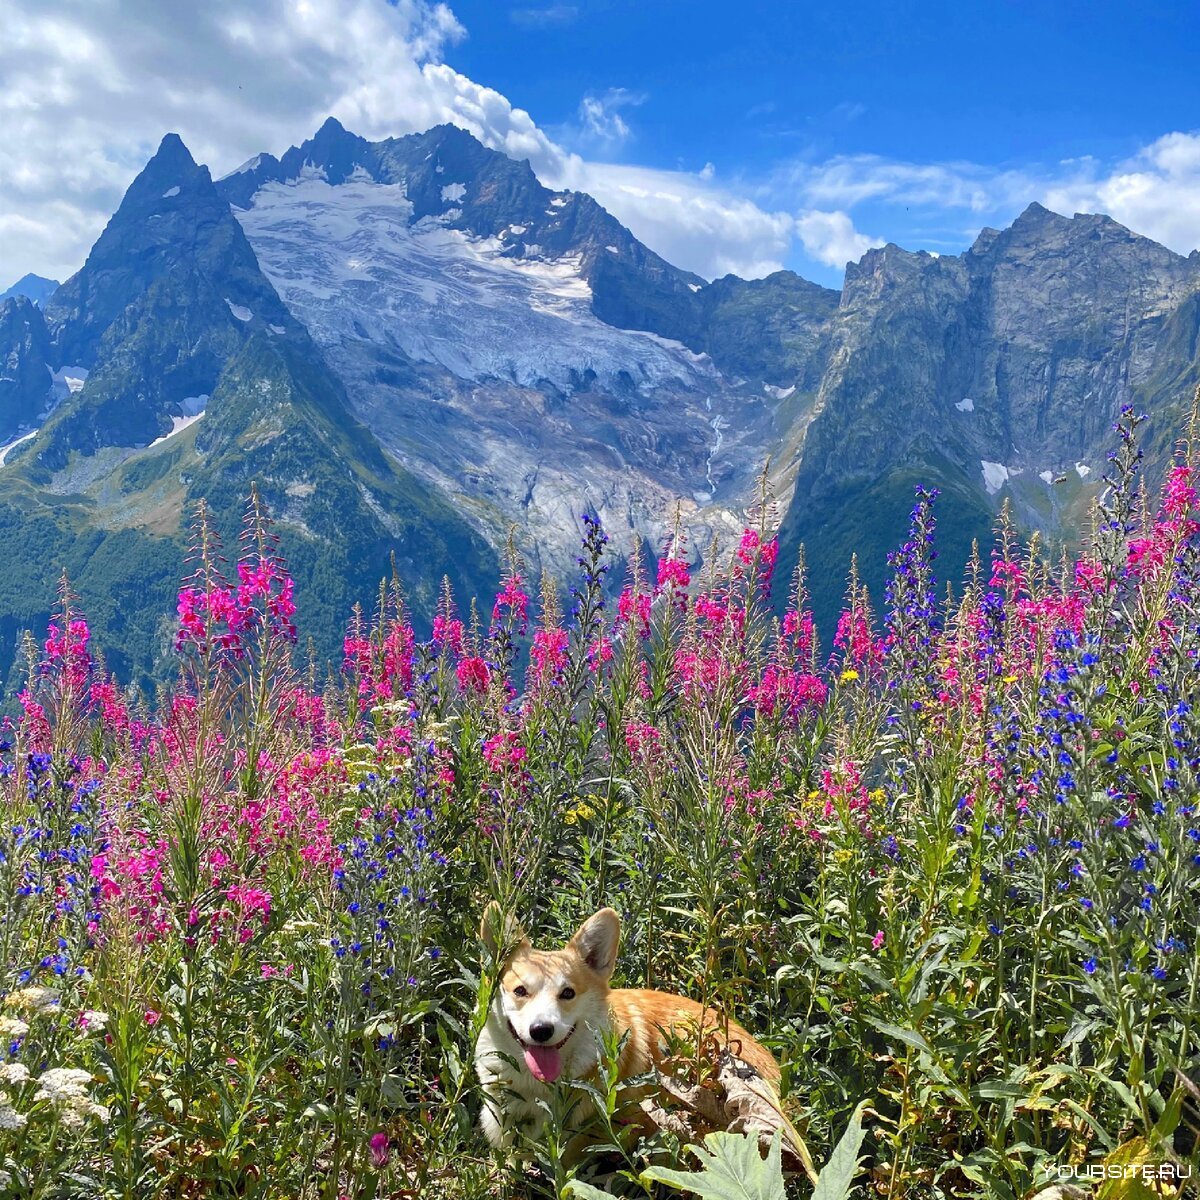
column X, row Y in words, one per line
column 64, row 382
column 453, row 192
column 966, row 404
column 517, row 229
column 242, row 314
column 251, row 164
column 777, row 392
column 612, row 249
column 179, row 424
column 694, row 286
column 171, row 192
column 4, row 450
column 558, row 201
column 279, row 329
column 439, row 295
column 1046, row 476
column 1082, row 470
column 439, row 169
column 995, row 476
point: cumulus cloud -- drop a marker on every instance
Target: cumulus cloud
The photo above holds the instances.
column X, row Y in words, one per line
column 687, row 218
column 88, row 95
column 1157, row 192
column 830, row 237
column 92, row 85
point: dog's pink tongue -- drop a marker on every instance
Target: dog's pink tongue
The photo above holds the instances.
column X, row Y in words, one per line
column 545, row 1062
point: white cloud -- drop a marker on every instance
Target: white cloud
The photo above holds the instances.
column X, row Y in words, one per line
column 546, row 17
column 91, row 86
column 848, row 180
column 686, row 218
column 600, row 122
column 1157, row 192
column 830, row 237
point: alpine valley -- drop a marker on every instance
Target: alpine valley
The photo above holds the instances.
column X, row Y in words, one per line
column 413, row 348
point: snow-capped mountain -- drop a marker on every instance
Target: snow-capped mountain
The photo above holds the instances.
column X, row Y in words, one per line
column 413, row 346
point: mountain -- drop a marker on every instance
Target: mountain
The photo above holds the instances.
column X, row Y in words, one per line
column 993, row 374
column 517, row 348
column 26, row 376
column 194, row 380
column 33, row 287
column 414, row 347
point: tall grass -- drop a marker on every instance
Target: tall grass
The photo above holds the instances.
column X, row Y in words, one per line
column 947, row 863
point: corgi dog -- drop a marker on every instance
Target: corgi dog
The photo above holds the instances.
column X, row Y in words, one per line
column 552, row 1007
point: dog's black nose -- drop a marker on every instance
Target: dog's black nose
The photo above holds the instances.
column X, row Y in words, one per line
column 543, row 1031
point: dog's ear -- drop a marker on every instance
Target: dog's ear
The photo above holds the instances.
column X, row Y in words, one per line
column 597, row 940
column 500, row 932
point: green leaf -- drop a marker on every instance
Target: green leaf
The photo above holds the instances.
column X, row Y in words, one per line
column 910, row 1037
column 838, row 1173
column 732, row 1168
column 586, row 1191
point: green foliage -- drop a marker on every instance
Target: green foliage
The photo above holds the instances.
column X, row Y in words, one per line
column 731, row 1168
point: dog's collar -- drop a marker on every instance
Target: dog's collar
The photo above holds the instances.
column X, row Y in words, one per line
column 524, row 1046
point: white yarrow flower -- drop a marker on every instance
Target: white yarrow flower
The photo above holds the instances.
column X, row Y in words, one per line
column 93, row 1020
column 60, row 1084
column 14, row 1072
column 35, row 999
column 10, row 1118
column 13, row 1027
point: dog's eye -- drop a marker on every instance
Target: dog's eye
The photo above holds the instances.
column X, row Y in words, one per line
column 520, row 990
column 567, row 994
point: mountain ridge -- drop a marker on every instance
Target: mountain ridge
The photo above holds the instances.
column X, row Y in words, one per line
column 416, row 339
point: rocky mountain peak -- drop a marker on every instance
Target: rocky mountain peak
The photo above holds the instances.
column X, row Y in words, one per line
column 37, row 288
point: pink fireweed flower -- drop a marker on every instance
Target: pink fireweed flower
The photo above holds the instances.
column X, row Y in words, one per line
column 799, row 626
column 251, row 901
column 673, row 572
column 449, row 632
column 67, row 653
column 642, row 741
column 877, row 940
column 599, row 653
column 752, row 547
column 512, row 600
column 853, row 637
column 787, row 694
column 379, row 1149
column 34, row 723
column 152, row 1017
column 504, row 753
column 633, row 609
column 1179, row 496
column 473, row 675
column 114, row 715
column 549, row 656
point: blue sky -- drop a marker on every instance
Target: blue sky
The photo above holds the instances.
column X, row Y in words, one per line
column 760, row 87
column 728, row 137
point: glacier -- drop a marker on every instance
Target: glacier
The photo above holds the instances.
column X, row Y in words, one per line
column 352, row 266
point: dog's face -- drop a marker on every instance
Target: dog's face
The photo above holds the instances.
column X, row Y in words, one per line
column 551, row 1001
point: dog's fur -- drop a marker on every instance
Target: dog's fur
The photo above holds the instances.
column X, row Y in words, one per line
column 534, row 995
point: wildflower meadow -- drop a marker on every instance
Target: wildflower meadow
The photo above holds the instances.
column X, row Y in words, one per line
column 943, row 858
